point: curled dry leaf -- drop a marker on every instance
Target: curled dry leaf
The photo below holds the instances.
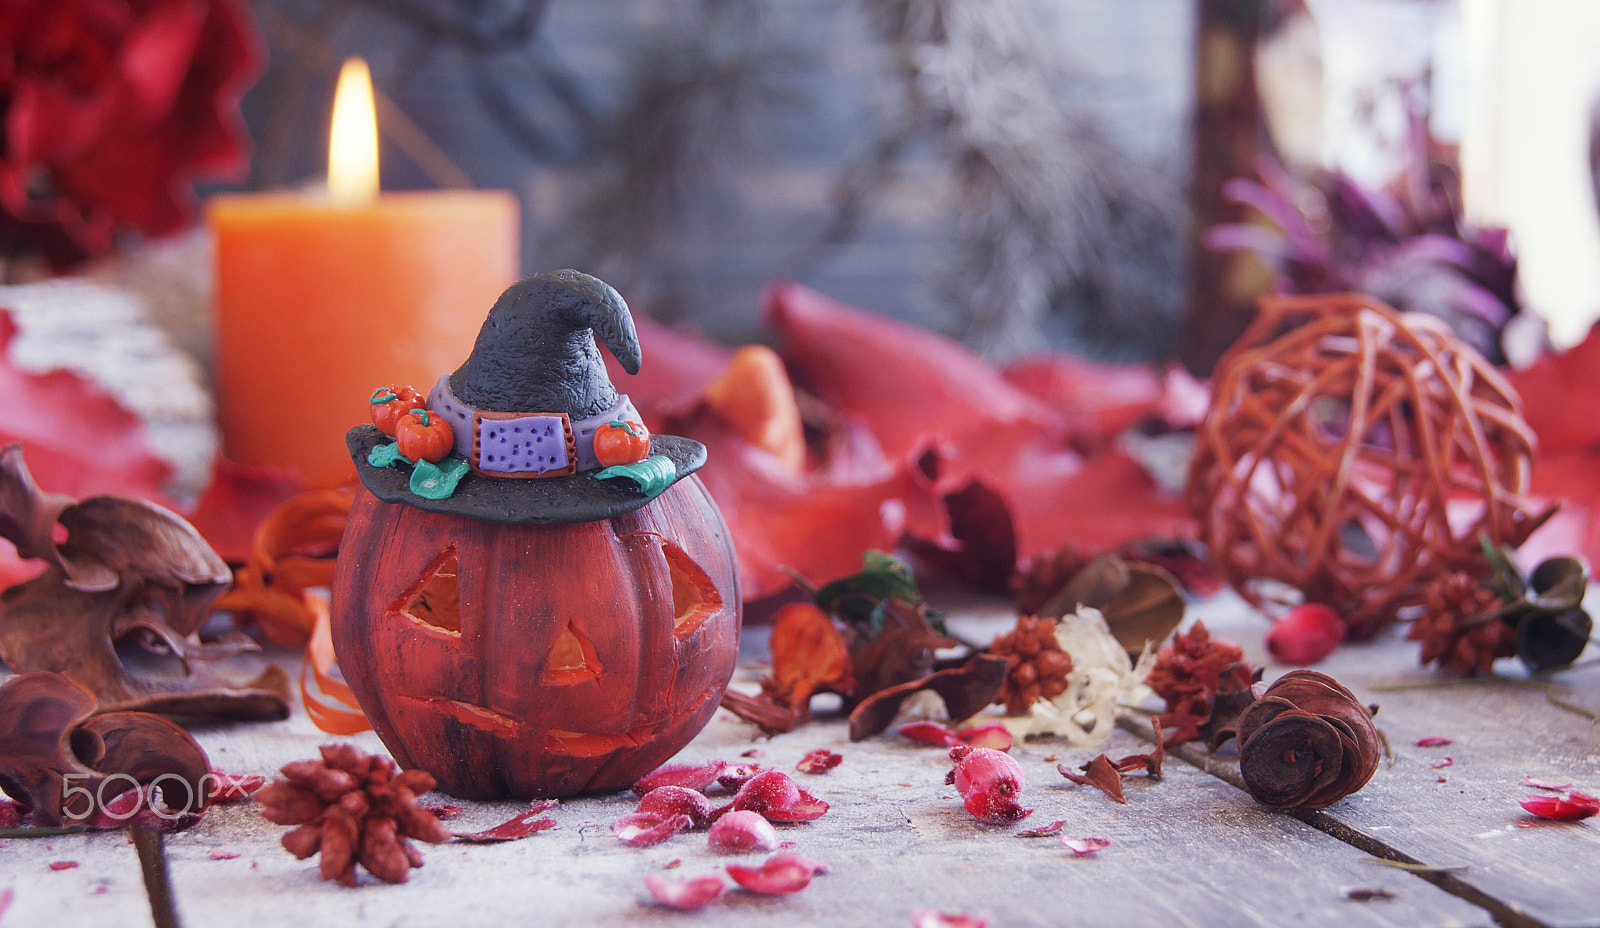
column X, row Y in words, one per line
column 933, row 918
column 966, row 690
column 47, row 734
column 1083, row 847
column 742, row 830
column 1099, row 773
column 1573, row 807
column 989, row 782
column 1141, row 602
column 782, row 874
column 519, row 826
column 1306, row 743
column 819, row 761
column 1150, row 762
column 687, row 894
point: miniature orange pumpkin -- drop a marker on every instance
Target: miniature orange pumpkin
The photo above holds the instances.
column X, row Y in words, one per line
column 537, row 660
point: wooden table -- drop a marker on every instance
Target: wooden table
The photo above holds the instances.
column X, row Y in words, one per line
column 1190, row 849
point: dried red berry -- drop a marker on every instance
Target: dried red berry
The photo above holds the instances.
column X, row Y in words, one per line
column 989, row 782
column 1305, row 634
column 777, row 798
column 667, row 801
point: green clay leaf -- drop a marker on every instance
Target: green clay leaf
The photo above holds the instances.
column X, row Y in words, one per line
column 437, row 481
column 386, row 455
column 652, row 475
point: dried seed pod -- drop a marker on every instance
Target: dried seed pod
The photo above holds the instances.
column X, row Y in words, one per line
column 1306, row 743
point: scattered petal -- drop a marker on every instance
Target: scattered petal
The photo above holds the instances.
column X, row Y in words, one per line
column 992, row 735
column 1443, row 779
column 6, row 895
column 932, row 734
column 638, row 829
column 673, row 864
column 1151, row 762
column 1083, row 847
column 443, row 810
column 685, row 775
column 223, row 855
column 753, row 752
column 1367, row 895
column 1546, row 784
column 1046, row 831
column 233, row 787
column 666, row 801
column 819, row 761
column 989, row 782
column 63, row 865
column 1434, row 741
column 1447, row 762
column 735, row 777
column 1100, row 774
column 742, row 830
column 777, row 798
column 933, row 918
column 518, row 827
column 688, row 894
column 1305, row 634
column 1573, row 807
column 782, row 874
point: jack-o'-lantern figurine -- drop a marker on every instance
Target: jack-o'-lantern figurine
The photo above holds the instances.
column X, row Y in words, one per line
column 518, row 618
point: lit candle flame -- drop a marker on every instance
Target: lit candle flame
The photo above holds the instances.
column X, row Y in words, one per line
column 353, row 146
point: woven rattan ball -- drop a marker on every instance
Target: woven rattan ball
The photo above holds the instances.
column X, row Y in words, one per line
column 1353, row 453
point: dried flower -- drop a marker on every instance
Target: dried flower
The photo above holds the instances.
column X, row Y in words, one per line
column 353, row 808
column 1306, row 743
column 1193, row 674
column 1459, row 627
column 1573, row 807
column 1037, row 668
column 1305, row 634
column 1101, row 678
column 989, row 782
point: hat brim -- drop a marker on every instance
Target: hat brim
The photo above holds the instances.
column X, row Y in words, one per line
column 521, row 501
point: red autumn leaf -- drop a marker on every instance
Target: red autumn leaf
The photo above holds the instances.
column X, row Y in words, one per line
column 1100, row 774
column 687, row 894
column 820, row 760
column 908, row 384
column 678, row 367
column 1083, row 847
column 1305, row 634
column 1434, row 741
column 686, row 775
column 237, row 499
column 1573, row 807
column 515, row 828
column 1098, row 401
column 1554, row 388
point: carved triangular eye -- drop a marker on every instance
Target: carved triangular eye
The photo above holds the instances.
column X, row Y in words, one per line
column 572, row 658
column 694, row 595
column 435, row 599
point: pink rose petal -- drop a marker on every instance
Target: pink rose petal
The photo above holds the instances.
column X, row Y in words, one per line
column 686, row 775
column 686, row 894
column 993, row 735
column 63, row 865
column 1434, row 741
column 933, row 918
column 929, row 733
column 1575, row 806
column 819, row 761
column 641, row 829
column 742, row 830
column 782, row 874
column 1083, row 847
column 667, row 801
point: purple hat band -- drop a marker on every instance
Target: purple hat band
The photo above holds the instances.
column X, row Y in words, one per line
column 523, row 444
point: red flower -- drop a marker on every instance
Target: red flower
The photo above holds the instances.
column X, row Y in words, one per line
column 109, row 106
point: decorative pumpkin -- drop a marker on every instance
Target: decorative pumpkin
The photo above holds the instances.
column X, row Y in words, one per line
column 537, row 637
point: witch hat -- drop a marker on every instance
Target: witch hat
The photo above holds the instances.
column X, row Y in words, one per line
column 525, row 407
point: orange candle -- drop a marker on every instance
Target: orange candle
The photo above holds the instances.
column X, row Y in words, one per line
column 321, row 300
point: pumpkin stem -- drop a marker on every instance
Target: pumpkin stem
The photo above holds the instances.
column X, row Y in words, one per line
column 426, row 420
column 382, row 395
